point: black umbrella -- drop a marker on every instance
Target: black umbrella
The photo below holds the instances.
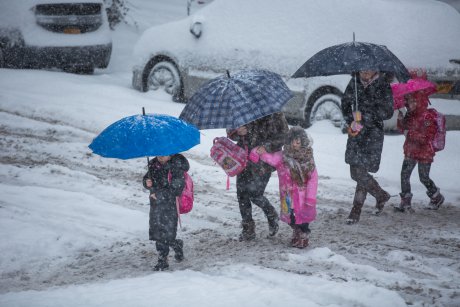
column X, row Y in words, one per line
column 353, row 57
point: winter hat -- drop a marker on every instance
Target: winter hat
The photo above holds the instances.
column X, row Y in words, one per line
column 300, row 162
column 420, row 86
column 299, row 133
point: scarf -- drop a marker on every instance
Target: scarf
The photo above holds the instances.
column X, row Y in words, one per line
column 300, row 163
column 368, row 82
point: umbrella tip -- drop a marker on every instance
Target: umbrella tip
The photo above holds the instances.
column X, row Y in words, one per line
column 143, row 111
column 228, row 73
column 353, row 37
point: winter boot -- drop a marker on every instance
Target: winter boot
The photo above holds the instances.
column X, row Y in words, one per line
column 358, row 202
column 162, row 264
column 295, row 236
column 249, row 231
column 178, row 247
column 381, row 196
column 405, row 204
column 303, row 240
column 273, row 226
column 436, row 200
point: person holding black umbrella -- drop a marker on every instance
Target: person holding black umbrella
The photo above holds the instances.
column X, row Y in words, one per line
column 269, row 131
column 367, row 101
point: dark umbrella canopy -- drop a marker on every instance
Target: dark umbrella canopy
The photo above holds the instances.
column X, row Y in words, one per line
column 233, row 101
column 145, row 135
column 352, row 57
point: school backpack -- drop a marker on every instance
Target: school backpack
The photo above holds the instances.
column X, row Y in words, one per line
column 231, row 157
column 185, row 200
column 439, row 140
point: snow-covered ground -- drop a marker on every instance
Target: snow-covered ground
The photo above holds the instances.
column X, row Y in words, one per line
column 74, row 225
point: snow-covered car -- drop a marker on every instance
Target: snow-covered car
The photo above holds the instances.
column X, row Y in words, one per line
column 70, row 34
column 280, row 36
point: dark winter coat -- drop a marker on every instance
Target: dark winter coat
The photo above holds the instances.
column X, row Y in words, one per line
column 376, row 104
column 421, row 130
column 269, row 131
column 163, row 211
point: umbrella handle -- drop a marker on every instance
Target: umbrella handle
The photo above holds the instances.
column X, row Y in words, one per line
column 356, row 92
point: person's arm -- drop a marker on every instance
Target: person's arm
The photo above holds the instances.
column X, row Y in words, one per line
column 312, row 188
column 401, row 123
column 177, row 177
column 383, row 104
column 273, row 159
column 347, row 103
column 385, row 107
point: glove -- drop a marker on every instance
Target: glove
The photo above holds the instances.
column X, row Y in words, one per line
column 354, row 128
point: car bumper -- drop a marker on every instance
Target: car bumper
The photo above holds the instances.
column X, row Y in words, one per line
column 97, row 56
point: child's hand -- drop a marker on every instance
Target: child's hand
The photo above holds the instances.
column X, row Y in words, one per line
column 153, row 196
column 261, row 150
column 148, row 183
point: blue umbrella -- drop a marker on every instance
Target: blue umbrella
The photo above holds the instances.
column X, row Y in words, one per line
column 145, row 135
column 233, row 101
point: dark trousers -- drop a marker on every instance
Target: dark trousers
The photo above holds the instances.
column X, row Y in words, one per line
column 250, row 187
column 163, row 247
column 365, row 183
column 423, row 173
column 302, row 227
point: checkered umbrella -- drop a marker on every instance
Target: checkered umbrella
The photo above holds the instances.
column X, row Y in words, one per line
column 233, row 101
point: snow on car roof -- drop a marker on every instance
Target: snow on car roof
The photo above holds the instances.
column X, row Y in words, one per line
column 422, row 33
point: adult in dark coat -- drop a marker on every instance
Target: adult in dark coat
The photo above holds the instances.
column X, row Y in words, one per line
column 165, row 181
column 364, row 146
column 270, row 132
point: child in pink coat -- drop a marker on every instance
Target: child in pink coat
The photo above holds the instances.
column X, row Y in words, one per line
column 298, row 183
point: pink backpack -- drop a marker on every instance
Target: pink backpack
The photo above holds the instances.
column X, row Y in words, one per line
column 439, row 140
column 231, row 157
column 185, row 200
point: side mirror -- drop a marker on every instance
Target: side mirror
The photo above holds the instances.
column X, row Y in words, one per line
column 196, row 29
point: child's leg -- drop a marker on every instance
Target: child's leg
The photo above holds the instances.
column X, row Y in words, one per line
column 406, row 196
column 178, row 246
column 436, row 198
column 406, row 171
column 424, row 175
column 304, row 228
column 163, row 251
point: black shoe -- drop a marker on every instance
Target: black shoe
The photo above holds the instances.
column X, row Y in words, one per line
column 273, row 226
column 161, row 265
column 179, row 250
column 249, row 231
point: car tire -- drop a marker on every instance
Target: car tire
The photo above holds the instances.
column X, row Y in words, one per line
column 164, row 74
column 2, row 59
column 324, row 106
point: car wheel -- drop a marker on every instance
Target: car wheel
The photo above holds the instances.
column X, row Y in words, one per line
column 326, row 107
column 165, row 75
column 2, row 59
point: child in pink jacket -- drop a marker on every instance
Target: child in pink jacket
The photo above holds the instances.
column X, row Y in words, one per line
column 298, row 183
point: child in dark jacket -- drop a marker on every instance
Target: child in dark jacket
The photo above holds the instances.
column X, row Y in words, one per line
column 165, row 181
column 420, row 128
